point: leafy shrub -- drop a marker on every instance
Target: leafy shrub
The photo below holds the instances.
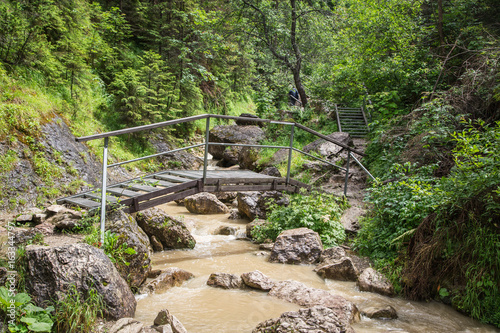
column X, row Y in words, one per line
column 319, row 212
column 28, row 317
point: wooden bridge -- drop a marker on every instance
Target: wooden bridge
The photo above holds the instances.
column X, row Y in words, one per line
column 146, row 192
column 152, row 190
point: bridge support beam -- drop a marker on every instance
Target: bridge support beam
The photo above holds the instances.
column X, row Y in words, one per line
column 290, row 150
column 103, row 187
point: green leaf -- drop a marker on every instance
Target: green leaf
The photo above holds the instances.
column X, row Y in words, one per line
column 40, row 327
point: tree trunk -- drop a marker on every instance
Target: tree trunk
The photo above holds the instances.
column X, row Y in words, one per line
column 298, row 56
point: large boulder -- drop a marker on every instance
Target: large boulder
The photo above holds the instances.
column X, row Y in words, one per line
column 256, row 204
column 317, row 319
column 52, row 270
column 257, row 280
column 373, row 281
column 298, row 293
column 138, row 262
column 297, row 246
column 170, row 232
column 248, row 157
column 225, row 281
column 327, row 148
column 334, row 255
column 232, row 134
column 169, row 278
column 342, row 270
column 205, row 203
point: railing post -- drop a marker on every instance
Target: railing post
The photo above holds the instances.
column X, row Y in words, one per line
column 290, row 150
column 347, row 172
column 205, row 158
column 103, row 188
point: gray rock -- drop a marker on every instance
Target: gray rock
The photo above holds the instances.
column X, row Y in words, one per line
column 298, row 293
column 248, row 158
column 266, row 246
column 373, row 281
column 326, row 148
column 39, row 218
column 316, row 319
column 387, row 312
column 156, row 244
column 297, row 246
column 22, row 236
column 242, row 122
column 127, row 325
column 52, row 270
column 169, row 278
column 342, row 270
column 332, row 255
column 232, row 134
column 234, row 214
column 128, row 232
column 165, row 318
column 170, row 232
column 45, row 228
column 181, row 160
column 256, row 204
column 226, row 197
column 63, row 218
column 205, row 203
column 24, row 218
column 225, row 281
column 225, row 230
column 271, row 171
column 257, row 280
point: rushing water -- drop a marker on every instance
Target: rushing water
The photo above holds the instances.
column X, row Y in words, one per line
column 207, row 309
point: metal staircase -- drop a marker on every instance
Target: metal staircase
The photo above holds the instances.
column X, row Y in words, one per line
column 352, row 121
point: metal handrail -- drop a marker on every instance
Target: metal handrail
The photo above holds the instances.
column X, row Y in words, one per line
column 207, row 143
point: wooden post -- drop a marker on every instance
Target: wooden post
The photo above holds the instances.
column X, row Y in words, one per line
column 103, row 187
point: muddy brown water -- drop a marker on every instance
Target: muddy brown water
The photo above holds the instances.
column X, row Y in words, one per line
column 206, row 309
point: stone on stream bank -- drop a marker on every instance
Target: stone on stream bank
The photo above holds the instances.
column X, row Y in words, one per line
column 165, row 322
column 225, row 281
column 168, row 278
column 297, row 246
column 170, row 232
column 317, row 319
column 254, row 204
column 51, row 271
column 130, row 235
column 205, row 203
column 373, row 281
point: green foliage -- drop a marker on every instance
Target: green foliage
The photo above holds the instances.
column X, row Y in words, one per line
column 27, row 316
column 319, row 212
column 116, row 250
column 428, row 232
column 78, row 313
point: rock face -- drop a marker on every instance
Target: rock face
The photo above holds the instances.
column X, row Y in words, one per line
column 225, row 281
column 128, row 232
column 317, row 319
column 297, row 246
column 170, row 232
column 257, row 280
column 342, row 270
column 232, row 134
column 326, row 148
column 169, row 278
column 299, row 293
column 205, row 203
column 256, row 204
column 53, row 269
column 373, row 281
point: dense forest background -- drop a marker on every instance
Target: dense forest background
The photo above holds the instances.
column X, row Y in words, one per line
column 426, row 70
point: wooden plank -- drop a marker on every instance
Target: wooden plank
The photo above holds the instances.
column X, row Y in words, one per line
column 163, row 191
column 97, row 196
column 170, row 178
column 237, row 188
column 118, row 191
column 82, row 202
column 152, row 182
column 140, row 187
column 211, row 181
column 162, row 200
column 185, row 174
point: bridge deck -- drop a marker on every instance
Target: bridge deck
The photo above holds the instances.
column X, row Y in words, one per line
column 162, row 187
